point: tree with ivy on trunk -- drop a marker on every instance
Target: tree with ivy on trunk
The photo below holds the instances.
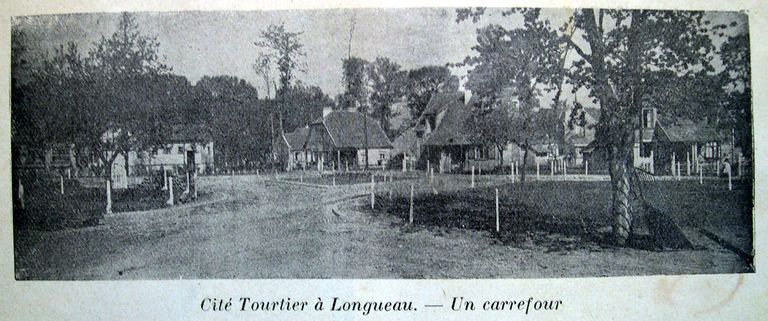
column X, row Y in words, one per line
column 619, row 53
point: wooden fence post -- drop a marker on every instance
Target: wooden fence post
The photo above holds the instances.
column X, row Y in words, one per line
column 730, row 182
column 165, row 179
column 373, row 189
column 586, row 167
column 410, row 213
column 688, row 164
column 170, row 191
column 497, row 210
column 187, row 189
column 109, row 197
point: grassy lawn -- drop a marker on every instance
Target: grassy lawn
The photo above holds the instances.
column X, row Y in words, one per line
column 569, row 214
column 47, row 209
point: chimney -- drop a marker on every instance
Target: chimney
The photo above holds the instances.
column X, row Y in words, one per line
column 327, row 110
column 465, row 96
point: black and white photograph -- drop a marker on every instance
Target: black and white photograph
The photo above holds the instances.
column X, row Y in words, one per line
column 381, row 143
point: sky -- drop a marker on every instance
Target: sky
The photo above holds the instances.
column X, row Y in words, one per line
column 197, row 43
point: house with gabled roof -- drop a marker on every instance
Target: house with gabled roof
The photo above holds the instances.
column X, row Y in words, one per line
column 582, row 133
column 296, row 145
column 339, row 139
column 664, row 143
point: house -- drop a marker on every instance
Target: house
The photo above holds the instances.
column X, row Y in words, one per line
column 582, row 133
column 447, row 141
column 662, row 144
column 339, row 139
column 296, row 147
column 186, row 145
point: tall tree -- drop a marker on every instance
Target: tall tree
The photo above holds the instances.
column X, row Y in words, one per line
column 619, row 53
column 388, row 86
column 425, row 81
column 283, row 48
column 357, row 91
column 234, row 111
column 511, row 71
column 735, row 55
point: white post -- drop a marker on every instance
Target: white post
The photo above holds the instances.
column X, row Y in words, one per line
column 538, row 176
column 586, row 167
column 688, row 164
column 431, row 175
column 373, row 189
column 301, row 178
column 109, row 197
column 405, row 168
column 390, row 188
column 730, row 182
column 428, row 167
column 673, row 164
column 186, row 190
column 701, row 175
column 334, row 181
column 677, row 174
column 195, row 176
column 718, row 167
column 21, row 194
column 69, row 173
column 497, row 210
column 257, row 172
column 515, row 172
column 61, row 184
column 170, row 191
column 165, row 179
column 552, row 168
column 473, row 177
column 410, row 213
column 565, row 169
column 479, row 171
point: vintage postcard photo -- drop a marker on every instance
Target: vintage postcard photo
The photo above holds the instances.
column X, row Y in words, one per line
column 410, row 143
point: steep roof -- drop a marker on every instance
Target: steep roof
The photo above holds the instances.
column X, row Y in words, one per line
column 440, row 101
column 593, row 112
column 690, row 131
column 297, row 138
column 347, row 130
column 452, row 130
column 407, row 142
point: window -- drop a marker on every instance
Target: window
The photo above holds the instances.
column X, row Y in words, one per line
column 710, row 150
column 181, row 150
column 382, row 156
column 645, row 149
column 167, row 149
column 648, row 118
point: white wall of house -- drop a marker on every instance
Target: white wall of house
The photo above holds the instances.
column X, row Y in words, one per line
column 173, row 155
column 376, row 157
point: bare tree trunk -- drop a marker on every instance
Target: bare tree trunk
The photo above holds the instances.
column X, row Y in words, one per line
column 525, row 162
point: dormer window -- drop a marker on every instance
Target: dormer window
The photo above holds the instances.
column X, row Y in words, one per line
column 649, row 117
